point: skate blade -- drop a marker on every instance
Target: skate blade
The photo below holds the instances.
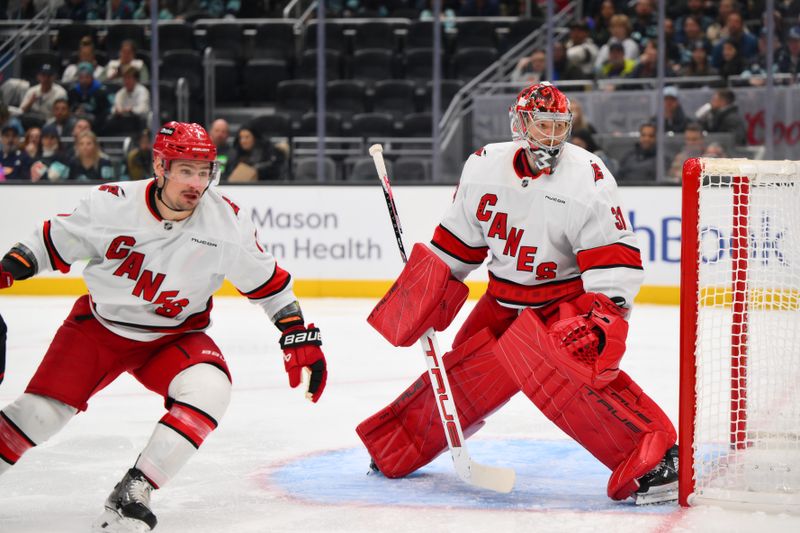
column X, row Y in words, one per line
column 112, row 522
column 662, row 494
column 374, row 470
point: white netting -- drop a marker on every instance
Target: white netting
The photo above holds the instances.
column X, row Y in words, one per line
column 747, row 426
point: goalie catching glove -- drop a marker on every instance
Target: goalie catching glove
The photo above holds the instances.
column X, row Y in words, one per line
column 301, row 350
column 591, row 336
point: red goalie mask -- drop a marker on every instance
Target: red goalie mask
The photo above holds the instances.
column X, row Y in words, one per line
column 541, row 116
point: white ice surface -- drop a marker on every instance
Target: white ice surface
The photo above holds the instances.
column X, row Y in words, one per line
column 266, row 468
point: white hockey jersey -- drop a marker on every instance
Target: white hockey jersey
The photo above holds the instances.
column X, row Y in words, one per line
column 550, row 238
column 149, row 277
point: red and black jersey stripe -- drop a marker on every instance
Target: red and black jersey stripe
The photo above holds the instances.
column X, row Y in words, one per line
column 521, row 165
column 194, row 322
column 233, row 205
column 615, row 255
column 446, row 241
column 276, row 283
column 512, row 293
column 56, row 261
column 150, row 200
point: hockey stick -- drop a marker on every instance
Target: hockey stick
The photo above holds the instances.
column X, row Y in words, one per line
column 487, row 477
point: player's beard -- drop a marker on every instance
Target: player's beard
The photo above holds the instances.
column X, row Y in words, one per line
column 180, row 198
column 187, row 199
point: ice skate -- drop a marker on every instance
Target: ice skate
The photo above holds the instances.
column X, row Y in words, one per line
column 373, row 468
column 128, row 506
column 661, row 483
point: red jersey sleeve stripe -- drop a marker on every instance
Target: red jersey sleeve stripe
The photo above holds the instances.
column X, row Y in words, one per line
column 446, row 241
column 615, row 255
column 275, row 284
column 56, row 261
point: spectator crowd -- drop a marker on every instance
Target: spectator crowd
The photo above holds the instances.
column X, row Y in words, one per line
column 73, row 104
column 722, row 44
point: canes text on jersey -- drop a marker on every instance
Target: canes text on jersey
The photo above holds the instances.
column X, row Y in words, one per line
column 499, row 229
column 147, row 283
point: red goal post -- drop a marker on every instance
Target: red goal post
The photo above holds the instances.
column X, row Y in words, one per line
column 740, row 334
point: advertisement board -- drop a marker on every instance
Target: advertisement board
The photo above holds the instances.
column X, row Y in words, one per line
column 338, row 240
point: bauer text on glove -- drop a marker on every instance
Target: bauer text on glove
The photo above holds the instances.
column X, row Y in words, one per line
column 301, row 349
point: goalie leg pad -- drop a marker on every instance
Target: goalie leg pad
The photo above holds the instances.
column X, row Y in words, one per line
column 407, row 434
column 424, row 296
column 612, row 423
column 644, row 458
column 29, row 421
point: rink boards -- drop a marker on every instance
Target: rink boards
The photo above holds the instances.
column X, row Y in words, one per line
column 338, row 241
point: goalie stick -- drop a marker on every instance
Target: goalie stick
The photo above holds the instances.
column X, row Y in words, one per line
column 488, row 477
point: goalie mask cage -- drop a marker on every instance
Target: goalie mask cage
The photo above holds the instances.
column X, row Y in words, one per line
column 740, row 334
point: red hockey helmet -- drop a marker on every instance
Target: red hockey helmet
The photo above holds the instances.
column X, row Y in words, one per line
column 541, row 116
column 186, row 141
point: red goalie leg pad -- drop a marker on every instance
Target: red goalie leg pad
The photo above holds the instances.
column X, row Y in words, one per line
column 189, row 422
column 408, row 434
column 424, row 296
column 13, row 442
column 644, row 458
column 612, row 423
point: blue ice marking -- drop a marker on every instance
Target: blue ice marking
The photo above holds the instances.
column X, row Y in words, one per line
column 551, row 475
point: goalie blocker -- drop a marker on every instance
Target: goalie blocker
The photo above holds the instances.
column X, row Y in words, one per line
column 425, row 295
column 565, row 362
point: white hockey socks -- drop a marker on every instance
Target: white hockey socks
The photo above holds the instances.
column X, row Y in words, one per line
column 30, row 420
column 200, row 395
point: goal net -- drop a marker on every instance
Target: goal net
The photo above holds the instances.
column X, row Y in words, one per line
column 740, row 334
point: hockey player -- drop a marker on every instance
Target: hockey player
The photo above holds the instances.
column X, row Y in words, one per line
column 157, row 251
column 563, row 271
